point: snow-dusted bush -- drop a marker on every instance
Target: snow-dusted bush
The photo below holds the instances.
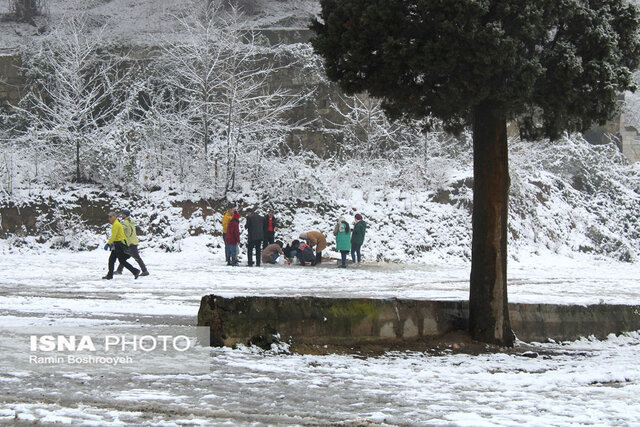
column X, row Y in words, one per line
column 569, row 195
column 65, row 230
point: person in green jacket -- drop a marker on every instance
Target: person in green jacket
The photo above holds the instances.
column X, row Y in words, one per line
column 118, row 243
column 132, row 239
column 357, row 238
column 342, row 231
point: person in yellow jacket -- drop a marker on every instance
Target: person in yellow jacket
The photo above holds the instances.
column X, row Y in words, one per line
column 118, row 244
column 132, row 239
column 226, row 218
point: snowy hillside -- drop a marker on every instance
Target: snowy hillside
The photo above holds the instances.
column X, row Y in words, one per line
column 568, row 197
column 181, row 127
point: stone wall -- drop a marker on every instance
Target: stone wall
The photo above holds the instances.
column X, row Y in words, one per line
column 354, row 321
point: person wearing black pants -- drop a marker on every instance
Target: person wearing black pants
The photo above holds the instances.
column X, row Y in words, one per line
column 118, row 253
column 117, row 244
column 132, row 240
column 255, row 232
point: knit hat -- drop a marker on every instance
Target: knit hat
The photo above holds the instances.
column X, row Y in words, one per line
column 126, row 212
column 303, row 236
column 359, row 217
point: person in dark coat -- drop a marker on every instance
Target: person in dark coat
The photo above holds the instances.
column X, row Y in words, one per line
column 357, row 237
column 317, row 239
column 270, row 227
column 290, row 250
column 232, row 239
column 255, row 232
column 305, row 255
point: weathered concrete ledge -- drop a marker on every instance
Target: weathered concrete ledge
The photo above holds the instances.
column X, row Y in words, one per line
column 349, row 321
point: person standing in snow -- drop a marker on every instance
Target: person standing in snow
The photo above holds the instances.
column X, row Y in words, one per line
column 342, row 231
column 357, row 237
column 270, row 227
column 255, row 232
column 118, row 243
column 228, row 215
column 271, row 253
column 317, row 239
column 133, row 242
column 232, row 239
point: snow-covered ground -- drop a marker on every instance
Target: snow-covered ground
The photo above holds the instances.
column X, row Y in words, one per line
column 585, row 382
column 580, row 383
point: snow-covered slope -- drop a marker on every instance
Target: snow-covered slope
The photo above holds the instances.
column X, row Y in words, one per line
column 566, row 198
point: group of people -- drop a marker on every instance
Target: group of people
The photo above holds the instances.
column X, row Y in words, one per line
column 123, row 243
column 307, row 250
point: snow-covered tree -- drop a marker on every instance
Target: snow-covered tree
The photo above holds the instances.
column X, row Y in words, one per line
column 365, row 130
column 553, row 65
column 222, row 75
column 368, row 139
column 77, row 95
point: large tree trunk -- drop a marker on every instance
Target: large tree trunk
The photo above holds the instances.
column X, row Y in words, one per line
column 488, row 309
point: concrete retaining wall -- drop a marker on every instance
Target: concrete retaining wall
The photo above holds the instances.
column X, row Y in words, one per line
column 345, row 321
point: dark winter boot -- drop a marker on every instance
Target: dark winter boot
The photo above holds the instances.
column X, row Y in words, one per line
column 144, row 273
column 136, row 273
column 107, row 277
column 118, row 271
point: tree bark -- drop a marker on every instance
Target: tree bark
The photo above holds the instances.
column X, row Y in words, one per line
column 488, row 309
column 78, row 175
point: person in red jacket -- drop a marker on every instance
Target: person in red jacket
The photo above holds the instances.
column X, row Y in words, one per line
column 232, row 239
column 270, row 228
